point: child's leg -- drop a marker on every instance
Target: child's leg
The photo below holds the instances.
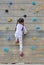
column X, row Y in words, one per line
column 16, row 39
column 21, row 47
column 20, row 43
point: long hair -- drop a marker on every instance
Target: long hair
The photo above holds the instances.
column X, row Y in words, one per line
column 16, row 25
column 20, row 20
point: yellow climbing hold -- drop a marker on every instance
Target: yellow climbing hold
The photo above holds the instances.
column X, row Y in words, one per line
column 34, row 38
column 9, row 20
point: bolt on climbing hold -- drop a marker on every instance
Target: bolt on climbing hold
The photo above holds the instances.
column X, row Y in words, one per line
column 42, row 7
column 37, row 27
column 25, row 16
column 34, row 19
column 42, row 0
column 9, row 20
column 37, row 10
column 6, row 11
column 33, row 48
column 35, row 38
column 7, row 28
column 6, row 49
column 33, row 3
column 8, row 38
column 10, row 3
column 22, row 9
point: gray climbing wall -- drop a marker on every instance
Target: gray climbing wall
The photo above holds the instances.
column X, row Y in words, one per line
column 33, row 44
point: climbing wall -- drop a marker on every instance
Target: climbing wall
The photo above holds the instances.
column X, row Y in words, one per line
column 33, row 44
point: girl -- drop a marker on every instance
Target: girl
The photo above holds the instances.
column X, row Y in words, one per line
column 19, row 31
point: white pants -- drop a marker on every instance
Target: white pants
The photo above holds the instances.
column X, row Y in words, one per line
column 19, row 37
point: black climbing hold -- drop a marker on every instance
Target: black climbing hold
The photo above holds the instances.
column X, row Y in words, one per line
column 25, row 16
column 6, row 11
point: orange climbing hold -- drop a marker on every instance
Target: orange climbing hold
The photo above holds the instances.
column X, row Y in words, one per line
column 42, row 6
column 37, row 10
column 42, row 0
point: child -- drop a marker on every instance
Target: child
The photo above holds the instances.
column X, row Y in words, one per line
column 19, row 31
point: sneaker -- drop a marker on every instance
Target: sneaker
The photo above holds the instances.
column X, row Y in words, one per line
column 17, row 42
column 21, row 54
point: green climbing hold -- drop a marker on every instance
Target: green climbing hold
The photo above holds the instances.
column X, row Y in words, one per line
column 22, row 9
column 7, row 28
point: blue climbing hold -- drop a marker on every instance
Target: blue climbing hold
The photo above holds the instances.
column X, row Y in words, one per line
column 33, row 48
column 33, row 3
column 34, row 19
column 6, row 49
column 8, row 38
column 37, row 27
column 10, row 3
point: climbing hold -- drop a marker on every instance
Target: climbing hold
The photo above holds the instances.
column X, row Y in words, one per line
column 37, row 27
column 37, row 10
column 42, row 0
column 6, row 49
column 34, row 19
column 8, row 38
column 33, row 3
column 9, row 20
column 6, row 11
column 42, row 6
column 33, row 48
column 22, row 9
column 25, row 16
column 7, row 28
column 34, row 38
column 10, row 3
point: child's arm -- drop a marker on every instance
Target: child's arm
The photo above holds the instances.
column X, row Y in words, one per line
column 15, row 28
column 16, row 25
column 25, row 30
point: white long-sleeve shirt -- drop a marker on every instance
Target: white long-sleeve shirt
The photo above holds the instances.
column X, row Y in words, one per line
column 20, row 29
